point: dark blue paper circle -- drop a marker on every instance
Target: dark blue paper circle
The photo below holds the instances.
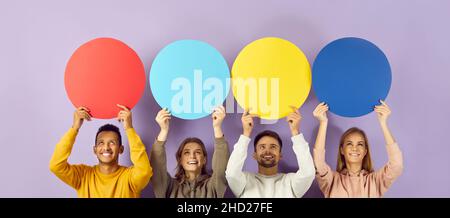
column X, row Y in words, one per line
column 351, row 75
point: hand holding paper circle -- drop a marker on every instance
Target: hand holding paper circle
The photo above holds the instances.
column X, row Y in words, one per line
column 163, row 119
column 293, row 120
column 124, row 116
column 247, row 122
column 80, row 114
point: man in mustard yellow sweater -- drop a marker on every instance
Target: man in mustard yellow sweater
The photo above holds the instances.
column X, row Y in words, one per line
column 107, row 179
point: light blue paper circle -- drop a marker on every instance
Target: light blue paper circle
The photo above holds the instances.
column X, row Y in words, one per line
column 190, row 78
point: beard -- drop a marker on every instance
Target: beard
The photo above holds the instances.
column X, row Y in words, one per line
column 267, row 164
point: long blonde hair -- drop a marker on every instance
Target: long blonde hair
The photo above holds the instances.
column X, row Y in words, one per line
column 367, row 161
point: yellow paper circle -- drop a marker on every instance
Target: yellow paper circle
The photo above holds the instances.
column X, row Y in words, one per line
column 269, row 75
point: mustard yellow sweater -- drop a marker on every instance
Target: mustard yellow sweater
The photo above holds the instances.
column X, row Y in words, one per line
column 126, row 182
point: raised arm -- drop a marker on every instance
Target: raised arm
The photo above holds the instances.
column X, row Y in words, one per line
column 161, row 178
column 234, row 174
column 141, row 171
column 324, row 174
column 394, row 167
column 383, row 112
column 304, row 176
column 221, row 152
column 70, row 174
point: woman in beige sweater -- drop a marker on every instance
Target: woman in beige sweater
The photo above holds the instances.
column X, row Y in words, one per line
column 354, row 175
column 191, row 179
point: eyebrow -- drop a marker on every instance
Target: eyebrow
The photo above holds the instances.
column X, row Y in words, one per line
column 102, row 140
column 197, row 149
column 269, row 144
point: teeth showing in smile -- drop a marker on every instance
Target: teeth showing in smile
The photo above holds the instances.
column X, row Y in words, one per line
column 107, row 154
column 354, row 154
column 192, row 162
column 268, row 156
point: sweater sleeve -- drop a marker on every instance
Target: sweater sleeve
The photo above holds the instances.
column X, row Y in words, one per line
column 219, row 164
column 161, row 178
column 304, row 176
column 141, row 171
column 324, row 174
column 70, row 174
column 234, row 174
column 385, row 176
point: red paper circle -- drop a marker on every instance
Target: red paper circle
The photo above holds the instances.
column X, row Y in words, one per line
column 102, row 73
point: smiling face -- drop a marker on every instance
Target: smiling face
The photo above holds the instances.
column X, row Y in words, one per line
column 108, row 148
column 354, row 148
column 192, row 158
column 267, row 152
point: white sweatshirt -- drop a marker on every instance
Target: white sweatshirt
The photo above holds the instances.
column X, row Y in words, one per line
column 281, row 185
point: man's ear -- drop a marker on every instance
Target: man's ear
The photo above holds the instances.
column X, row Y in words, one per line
column 121, row 149
column 254, row 155
column 94, row 148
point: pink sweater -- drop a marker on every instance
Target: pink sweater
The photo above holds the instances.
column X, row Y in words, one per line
column 363, row 185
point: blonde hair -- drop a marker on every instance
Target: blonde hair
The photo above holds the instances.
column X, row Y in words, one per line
column 367, row 161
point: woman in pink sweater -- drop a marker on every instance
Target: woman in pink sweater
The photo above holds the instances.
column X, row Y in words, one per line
column 354, row 175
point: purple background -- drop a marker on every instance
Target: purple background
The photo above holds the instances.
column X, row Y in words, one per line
column 38, row 37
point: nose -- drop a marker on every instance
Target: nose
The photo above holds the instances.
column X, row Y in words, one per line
column 267, row 152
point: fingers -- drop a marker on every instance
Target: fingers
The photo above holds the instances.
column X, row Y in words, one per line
column 383, row 104
column 245, row 112
column 123, row 107
column 248, row 114
column 293, row 117
column 320, row 109
column 248, row 118
column 382, row 110
column 84, row 115
column 120, row 117
column 123, row 114
column 294, row 109
column 248, row 121
column 219, row 109
column 82, row 108
column 163, row 112
column 252, row 115
column 382, row 107
column 382, row 113
column 163, row 116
